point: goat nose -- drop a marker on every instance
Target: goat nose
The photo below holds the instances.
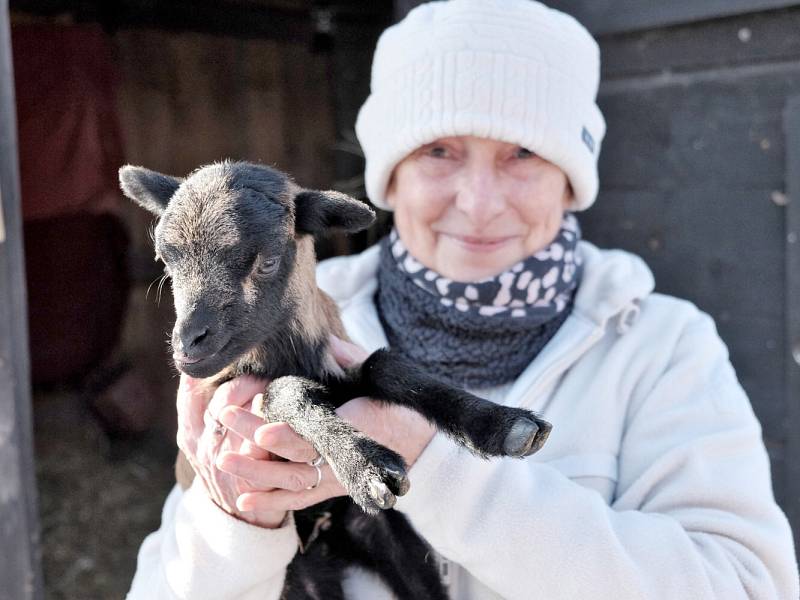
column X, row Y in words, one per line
column 192, row 338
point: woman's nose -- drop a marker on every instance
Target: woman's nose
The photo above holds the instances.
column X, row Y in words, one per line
column 481, row 197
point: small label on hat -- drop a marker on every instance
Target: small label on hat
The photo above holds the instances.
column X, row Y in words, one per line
column 588, row 139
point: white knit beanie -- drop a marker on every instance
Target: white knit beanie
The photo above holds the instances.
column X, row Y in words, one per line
column 511, row 70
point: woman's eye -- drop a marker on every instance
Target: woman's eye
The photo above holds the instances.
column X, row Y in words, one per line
column 268, row 266
column 437, row 152
column 524, row 153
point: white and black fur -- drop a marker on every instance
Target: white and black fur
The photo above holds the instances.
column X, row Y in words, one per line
column 237, row 240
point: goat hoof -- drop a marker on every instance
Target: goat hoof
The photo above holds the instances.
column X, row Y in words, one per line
column 397, row 480
column 526, row 437
column 381, row 495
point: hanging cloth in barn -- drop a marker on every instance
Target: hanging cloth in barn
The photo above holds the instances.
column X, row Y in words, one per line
column 69, row 140
column 70, row 151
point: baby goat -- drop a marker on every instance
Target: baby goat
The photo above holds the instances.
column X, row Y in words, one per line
column 237, row 241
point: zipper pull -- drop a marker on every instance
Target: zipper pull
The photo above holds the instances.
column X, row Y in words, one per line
column 627, row 317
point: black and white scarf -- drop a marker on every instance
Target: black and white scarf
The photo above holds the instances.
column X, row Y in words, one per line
column 483, row 333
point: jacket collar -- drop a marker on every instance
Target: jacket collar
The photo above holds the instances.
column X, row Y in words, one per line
column 612, row 281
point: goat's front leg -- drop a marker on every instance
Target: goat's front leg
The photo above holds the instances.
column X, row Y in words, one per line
column 372, row 475
column 485, row 428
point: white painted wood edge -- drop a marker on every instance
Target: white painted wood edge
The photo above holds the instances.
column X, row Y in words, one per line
column 2, row 223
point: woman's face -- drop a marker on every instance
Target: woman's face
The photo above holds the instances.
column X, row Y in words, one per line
column 470, row 207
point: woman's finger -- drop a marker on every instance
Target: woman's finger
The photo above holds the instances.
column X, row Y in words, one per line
column 241, row 421
column 270, row 474
column 347, row 354
column 244, row 423
column 282, row 500
column 236, row 392
column 282, row 440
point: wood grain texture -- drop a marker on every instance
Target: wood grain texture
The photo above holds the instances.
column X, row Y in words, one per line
column 693, row 176
column 790, row 487
column 760, row 38
column 603, row 17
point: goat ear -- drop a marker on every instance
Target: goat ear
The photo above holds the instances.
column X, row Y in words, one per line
column 317, row 211
column 148, row 189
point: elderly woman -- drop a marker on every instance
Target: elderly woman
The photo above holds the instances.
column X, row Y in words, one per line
column 481, row 133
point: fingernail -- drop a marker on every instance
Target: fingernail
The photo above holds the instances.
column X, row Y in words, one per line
column 241, row 502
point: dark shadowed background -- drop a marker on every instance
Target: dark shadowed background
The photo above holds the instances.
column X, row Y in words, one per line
column 700, row 175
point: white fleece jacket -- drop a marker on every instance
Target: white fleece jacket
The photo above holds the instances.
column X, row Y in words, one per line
column 654, row 482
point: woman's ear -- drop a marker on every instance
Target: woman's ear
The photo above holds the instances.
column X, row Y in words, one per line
column 569, row 196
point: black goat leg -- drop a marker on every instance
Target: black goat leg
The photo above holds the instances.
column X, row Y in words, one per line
column 485, row 428
column 373, row 475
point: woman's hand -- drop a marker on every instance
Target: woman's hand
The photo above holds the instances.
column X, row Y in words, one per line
column 201, row 441
column 277, row 487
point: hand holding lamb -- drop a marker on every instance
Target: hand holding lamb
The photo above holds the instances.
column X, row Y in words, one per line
column 242, row 476
column 236, row 239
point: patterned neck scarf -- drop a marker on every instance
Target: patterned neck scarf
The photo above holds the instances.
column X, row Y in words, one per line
column 482, row 333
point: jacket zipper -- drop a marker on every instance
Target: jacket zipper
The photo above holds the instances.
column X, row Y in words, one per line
column 559, row 367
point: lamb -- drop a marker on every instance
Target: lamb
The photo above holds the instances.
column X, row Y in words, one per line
column 237, row 240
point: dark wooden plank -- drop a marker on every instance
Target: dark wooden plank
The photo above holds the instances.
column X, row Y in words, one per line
column 298, row 21
column 247, row 21
column 693, row 180
column 791, row 479
column 604, row 17
column 20, row 577
column 401, row 7
column 721, row 127
column 752, row 38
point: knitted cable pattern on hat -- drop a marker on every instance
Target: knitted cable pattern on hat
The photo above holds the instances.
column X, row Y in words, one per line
column 509, row 70
column 482, row 333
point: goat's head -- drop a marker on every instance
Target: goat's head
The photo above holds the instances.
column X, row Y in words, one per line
column 228, row 236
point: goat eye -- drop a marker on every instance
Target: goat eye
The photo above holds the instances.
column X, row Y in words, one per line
column 268, row 266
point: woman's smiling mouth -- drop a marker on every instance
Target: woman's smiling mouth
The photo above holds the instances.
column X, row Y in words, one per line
column 480, row 243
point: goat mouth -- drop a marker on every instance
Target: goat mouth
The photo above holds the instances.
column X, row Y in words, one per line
column 183, row 361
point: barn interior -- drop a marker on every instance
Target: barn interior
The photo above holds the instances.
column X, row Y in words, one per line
column 700, row 176
column 170, row 86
